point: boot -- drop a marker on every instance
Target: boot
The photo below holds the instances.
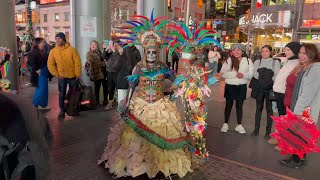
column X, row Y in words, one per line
column 268, row 132
column 109, row 106
column 255, row 132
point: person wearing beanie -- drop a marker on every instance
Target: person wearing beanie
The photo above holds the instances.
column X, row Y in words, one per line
column 64, row 63
column 236, row 71
column 280, row 84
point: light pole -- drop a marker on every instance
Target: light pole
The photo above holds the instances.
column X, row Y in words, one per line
column 225, row 21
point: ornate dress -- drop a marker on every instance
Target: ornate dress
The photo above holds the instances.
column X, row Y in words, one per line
column 152, row 139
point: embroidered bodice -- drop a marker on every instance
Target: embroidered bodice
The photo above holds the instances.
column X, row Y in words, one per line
column 151, row 83
column 151, row 88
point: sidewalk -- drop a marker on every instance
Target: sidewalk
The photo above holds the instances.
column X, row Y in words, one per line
column 79, row 141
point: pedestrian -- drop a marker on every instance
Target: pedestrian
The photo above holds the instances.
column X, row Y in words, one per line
column 96, row 70
column 39, row 58
column 279, row 87
column 265, row 70
column 306, row 91
column 256, row 54
column 175, row 61
column 214, row 57
column 136, row 55
column 64, row 63
column 112, row 69
column 125, row 66
column 236, row 71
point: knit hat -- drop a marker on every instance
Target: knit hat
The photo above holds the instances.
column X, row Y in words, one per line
column 62, row 36
column 295, row 47
column 239, row 46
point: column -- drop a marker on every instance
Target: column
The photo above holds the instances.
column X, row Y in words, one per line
column 89, row 21
column 160, row 7
column 8, row 38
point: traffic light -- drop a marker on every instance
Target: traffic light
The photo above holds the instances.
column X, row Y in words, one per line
column 227, row 38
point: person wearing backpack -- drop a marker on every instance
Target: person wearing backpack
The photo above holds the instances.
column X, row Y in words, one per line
column 265, row 70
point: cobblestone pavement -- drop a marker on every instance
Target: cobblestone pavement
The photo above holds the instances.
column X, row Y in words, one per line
column 79, row 142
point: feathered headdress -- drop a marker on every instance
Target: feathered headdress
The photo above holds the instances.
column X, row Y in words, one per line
column 195, row 39
column 146, row 32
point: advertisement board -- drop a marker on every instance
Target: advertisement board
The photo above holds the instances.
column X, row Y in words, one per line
column 51, row 1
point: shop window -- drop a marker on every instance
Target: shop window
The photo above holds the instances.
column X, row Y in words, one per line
column 66, row 16
column 57, row 30
column 280, row 2
column 45, row 17
column 311, row 1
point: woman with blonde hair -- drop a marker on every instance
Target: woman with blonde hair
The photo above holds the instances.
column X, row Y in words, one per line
column 95, row 68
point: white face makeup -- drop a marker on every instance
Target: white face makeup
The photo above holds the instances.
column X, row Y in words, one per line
column 152, row 55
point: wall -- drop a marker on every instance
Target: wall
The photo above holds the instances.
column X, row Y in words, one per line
column 54, row 26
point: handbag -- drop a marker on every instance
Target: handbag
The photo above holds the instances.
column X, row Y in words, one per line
column 87, row 98
column 272, row 96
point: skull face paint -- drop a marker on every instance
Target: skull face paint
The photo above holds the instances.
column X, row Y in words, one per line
column 152, row 55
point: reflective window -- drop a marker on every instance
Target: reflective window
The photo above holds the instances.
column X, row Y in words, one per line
column 279, row 2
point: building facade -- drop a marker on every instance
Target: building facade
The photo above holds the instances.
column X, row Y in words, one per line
column 309, row 29
column 279, row 22
column 54, row 18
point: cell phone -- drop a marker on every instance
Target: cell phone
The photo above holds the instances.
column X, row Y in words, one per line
column 110, row 42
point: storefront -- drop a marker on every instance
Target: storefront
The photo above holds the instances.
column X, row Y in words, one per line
column 274, row 29
column 311, row 38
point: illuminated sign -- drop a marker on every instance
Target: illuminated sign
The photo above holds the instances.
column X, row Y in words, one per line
column 262, row 18
column 52, row 1
column 311, row 23
column 315, row 37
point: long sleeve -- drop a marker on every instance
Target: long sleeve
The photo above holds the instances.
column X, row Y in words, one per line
column 52, row 65
column 276, row 69
column 227, row 73
column 308, row 90
column 255, row 69
column 77, row 63
column 248, row 75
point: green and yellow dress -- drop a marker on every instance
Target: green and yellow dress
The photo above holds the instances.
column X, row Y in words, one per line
column 152, row 139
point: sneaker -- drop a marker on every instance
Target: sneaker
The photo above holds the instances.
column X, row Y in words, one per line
column 225, row 128
column 61, row 116
column 240, row 129
column 109, row 106
column 273, row 141
column 290, row 163
column 45, row 108
column 277, row 148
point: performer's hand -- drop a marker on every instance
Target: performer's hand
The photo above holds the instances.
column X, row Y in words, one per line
column 240, row 75
column 125, row 112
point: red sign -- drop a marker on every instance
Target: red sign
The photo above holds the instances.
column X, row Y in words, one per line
column 51, row 1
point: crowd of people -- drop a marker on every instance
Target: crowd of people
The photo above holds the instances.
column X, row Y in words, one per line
column 293, row 85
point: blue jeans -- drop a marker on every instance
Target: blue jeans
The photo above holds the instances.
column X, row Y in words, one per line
column 62, row 85
column 213, row 67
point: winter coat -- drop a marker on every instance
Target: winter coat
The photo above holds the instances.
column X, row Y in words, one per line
column 279, row 85
column 64, row 62
column 230, row 76
column 112, row 62
column 309, row 92
column 265, row 72
column 36, row 61
column 95, row 66
column 125, row 66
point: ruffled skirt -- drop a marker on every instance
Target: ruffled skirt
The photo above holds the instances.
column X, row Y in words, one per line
column 152, row 141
